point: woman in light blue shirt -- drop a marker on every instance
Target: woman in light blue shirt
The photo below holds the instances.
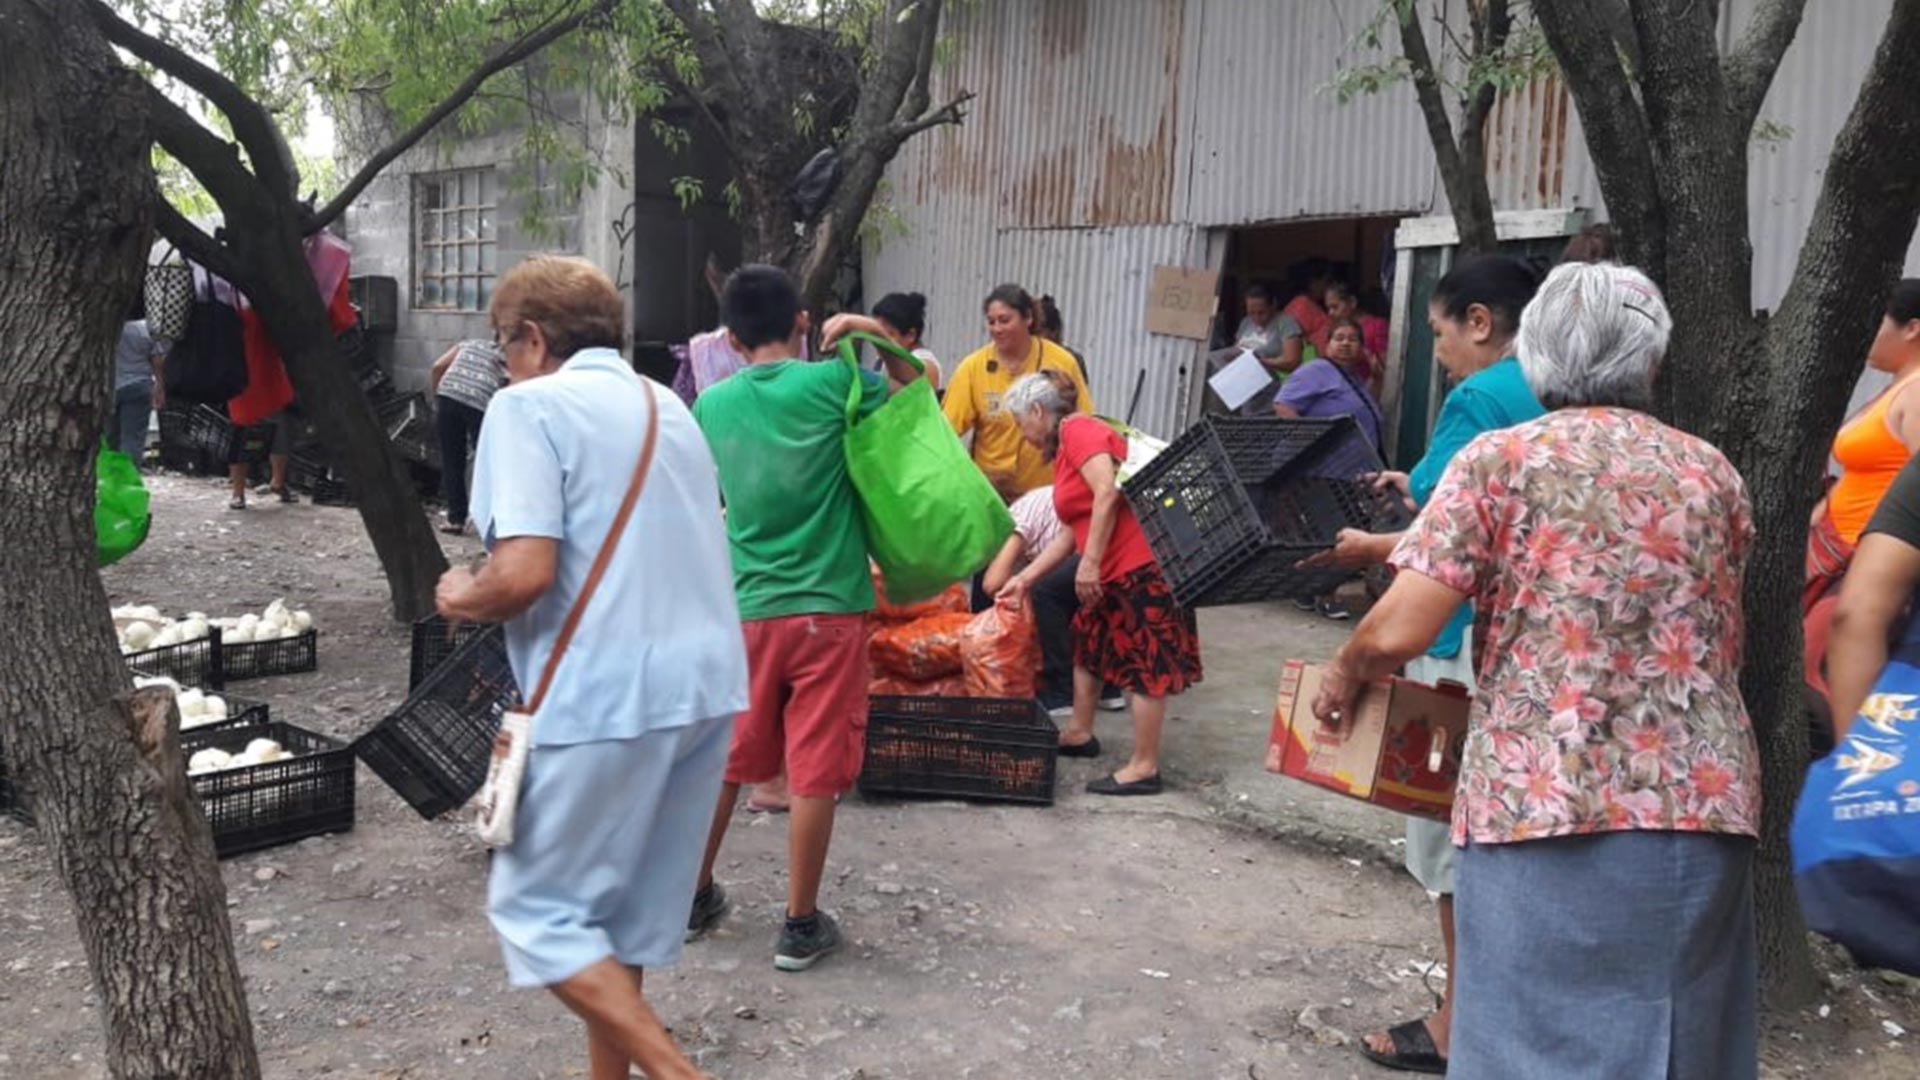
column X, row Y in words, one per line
column 630, row 743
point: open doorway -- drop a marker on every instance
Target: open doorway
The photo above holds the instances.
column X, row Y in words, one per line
column 1290, row 267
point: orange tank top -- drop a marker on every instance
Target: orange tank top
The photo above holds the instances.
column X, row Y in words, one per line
column 1870, row 456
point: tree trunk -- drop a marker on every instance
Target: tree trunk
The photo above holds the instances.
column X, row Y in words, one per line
column 281, row 287
column 102, row 766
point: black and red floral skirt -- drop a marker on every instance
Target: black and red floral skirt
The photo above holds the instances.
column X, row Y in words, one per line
column 1135, row 637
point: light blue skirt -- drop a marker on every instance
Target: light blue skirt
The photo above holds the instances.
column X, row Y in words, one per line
column 607, row 847
column 1617, row 956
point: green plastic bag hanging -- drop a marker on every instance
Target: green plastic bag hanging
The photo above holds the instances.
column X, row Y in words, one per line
column 932, row 518
column 121, row 514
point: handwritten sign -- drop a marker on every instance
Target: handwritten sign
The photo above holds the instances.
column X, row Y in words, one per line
column 1181, row 302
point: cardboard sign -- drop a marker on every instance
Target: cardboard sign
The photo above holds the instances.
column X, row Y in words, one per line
column 1181, row 302
column 1400, row 751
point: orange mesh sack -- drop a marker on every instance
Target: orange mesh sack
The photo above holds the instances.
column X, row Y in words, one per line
column 922, row 650
column 885, row 685
column 1000, row 652
column 955, row 600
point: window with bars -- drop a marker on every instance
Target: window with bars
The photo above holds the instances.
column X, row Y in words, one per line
column 454, row 242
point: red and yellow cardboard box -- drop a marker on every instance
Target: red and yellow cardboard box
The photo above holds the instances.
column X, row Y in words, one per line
column 1401, row 749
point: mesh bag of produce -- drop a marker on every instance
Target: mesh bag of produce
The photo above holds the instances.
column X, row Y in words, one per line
column 922, row 650
column 1000, row 651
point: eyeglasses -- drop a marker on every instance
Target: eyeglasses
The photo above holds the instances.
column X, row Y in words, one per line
column 504, row 338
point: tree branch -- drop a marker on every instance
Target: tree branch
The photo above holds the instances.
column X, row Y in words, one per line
column 953, row 112
column 1750, row 67
column 193, row 242
column 1490, row 29
column 1618, row 139
column 1465, row 181
column 211, row 159
column 513, row 53
column 920, row 93
column 720, row 131
column 253, row 126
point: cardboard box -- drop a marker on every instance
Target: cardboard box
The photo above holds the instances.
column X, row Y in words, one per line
column 1181, row 302
column 1401, row 751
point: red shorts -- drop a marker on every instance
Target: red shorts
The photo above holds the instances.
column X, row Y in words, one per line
column 807, row 679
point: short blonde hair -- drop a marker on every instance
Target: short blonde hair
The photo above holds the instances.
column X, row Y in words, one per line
column 573, row 303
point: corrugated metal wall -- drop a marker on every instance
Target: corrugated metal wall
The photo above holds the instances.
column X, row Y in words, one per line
column 1099, row 277
column 1266, row 144
column 1123, row 130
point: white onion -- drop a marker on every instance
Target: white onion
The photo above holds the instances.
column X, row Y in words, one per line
column 138, row 635
column 302, row 622
column 209, row 760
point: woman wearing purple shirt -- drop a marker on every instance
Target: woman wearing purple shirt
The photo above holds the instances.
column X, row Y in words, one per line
column 1327, row 387
column 1332, row 385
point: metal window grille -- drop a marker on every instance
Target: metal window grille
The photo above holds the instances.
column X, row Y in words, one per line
column 454, row 240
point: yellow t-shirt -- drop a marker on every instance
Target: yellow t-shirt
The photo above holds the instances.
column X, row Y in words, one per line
column 972, row 403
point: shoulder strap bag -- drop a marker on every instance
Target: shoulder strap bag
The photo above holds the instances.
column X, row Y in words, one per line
column 500, row 796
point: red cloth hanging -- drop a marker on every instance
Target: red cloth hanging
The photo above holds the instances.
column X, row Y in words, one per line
column 268, row 389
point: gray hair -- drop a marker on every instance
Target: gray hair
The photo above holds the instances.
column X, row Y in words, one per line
column 1039, row 389
column 1594, row 334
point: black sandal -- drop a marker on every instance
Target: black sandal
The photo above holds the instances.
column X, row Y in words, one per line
column 1090, row 748
column 1413, row 1050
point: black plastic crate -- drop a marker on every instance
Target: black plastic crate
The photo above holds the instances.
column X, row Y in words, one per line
column 990, row 749
column 1233, row 505
column 241, row 712
column 181, row 437
column 280, row 656
column 408, row 421
column 263, row 806
column 435, row 639
column 190, row 663
column 323, row 484
column 435, row 748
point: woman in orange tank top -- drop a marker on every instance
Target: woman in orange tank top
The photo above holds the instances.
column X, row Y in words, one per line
column 1871, row 448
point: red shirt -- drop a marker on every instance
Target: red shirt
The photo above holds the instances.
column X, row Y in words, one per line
column 1083, row 438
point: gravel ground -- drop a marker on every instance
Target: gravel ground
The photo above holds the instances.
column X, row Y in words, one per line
column 1148, row 938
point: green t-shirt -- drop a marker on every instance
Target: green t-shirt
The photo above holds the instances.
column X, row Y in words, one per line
column 777, row 431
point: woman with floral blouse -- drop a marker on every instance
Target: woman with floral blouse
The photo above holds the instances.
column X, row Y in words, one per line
column 1610, row 788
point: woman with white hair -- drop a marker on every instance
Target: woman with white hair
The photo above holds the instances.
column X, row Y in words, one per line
column 1610, row 788
column 1128, row 631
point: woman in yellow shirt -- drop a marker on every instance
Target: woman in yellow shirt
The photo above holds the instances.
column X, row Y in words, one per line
column 975, row 388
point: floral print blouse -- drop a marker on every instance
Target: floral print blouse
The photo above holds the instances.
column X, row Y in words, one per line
column 1609, row 550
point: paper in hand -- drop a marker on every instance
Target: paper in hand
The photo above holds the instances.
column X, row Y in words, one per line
column 1240, row 380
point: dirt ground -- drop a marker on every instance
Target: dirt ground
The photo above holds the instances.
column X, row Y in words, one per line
column 1149, row 938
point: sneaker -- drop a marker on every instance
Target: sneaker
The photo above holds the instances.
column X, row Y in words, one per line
column 238, row 502
column 286, row 495
column 1334, row 611
column 804, row 941
column 1305, row 605
column 1113, row 701
column 709, row 907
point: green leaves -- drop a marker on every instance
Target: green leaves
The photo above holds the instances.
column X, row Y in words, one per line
column 1373, row 62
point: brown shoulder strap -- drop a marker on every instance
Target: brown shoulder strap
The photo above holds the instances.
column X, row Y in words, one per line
column 605, row 556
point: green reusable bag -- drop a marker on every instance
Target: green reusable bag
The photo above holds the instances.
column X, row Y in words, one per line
column 932, row 518
column 120, row 509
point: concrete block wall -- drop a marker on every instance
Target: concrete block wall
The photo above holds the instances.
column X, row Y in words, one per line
column 380, row 228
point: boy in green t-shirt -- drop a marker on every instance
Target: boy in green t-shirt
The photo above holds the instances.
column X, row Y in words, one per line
column 777, row 430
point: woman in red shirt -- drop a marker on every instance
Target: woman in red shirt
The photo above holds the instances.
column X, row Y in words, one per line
column 1128, row 631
